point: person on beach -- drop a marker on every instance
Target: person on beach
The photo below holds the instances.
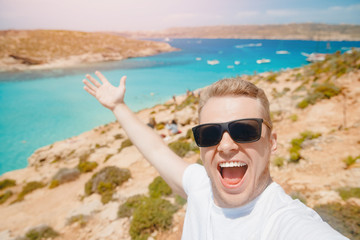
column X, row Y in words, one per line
column 172, row 127
column 232, row 196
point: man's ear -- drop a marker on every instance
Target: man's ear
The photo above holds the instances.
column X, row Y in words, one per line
column 273, row 142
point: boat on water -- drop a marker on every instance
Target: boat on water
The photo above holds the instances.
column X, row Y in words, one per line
column 282, row 52
column 213, row 62
column 314, row 57
column 236, row 62
column 263, row 60
column 249, row 45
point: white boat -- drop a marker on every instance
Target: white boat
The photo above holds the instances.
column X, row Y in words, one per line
column 314, row 57
column 352, row 50
column 249, row 45
column 282, row 52
column 237, row 62
column 213, row 62
column 198, row 59
column 167, row 39
column 263, row 60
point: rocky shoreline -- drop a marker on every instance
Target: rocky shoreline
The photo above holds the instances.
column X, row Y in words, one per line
column 328, row 130
column 47, row 49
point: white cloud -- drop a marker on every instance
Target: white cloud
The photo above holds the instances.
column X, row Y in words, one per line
column 351, row 8
column 247, row 14
column 282, row 12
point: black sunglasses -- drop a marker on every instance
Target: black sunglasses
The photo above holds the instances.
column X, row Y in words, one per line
column 241, row 131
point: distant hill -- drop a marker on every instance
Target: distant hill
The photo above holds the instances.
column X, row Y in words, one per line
column 55, row 48
column 304, row 31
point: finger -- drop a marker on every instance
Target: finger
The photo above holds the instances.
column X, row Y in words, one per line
column 102, row 78
column 89, row 85
column 90, row 91
column 93, row 80
column 122, row 82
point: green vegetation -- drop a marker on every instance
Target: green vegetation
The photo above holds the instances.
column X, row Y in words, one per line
column 318, row 79
column 180, row 201
column 108, row 157
column 5, row 196
column 39, row 233
column 127, row 208
column 348, row 192
column 153, row 214
column 318, row 92
column 336, row 64
column 294, row 117
column 184, row 144
column 64, row 175
column 351, row 160
column 271, row 78
column 126, row 143
column 159, row 188
column 105, row 181
column 343, row 218
column 297, row 142
column 81, row 219
column 118, row 136
column 54, row 183
column 180, row 147
column 28, row 188
column 279, row 161
column 86, row 166
column 7, row 183
column 190, row 135
column 190, row 100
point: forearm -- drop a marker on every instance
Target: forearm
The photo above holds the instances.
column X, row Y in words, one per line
column 170, row 166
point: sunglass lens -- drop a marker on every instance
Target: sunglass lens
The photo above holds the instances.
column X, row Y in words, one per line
column 245, row 130
column 207, row 135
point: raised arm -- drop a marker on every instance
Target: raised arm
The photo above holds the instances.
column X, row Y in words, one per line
column 170, row 166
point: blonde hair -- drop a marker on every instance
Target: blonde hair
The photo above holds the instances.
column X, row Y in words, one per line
column 236, row 87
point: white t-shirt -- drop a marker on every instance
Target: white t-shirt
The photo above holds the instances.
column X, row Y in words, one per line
column 272, row 215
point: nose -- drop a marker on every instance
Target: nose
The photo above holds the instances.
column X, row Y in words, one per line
column 227, row 144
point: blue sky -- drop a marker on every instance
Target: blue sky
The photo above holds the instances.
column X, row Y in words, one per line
column 120, row 15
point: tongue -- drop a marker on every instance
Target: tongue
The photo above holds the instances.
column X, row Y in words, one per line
column 233, row 175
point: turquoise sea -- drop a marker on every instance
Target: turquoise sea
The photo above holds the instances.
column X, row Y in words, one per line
column 38, row 108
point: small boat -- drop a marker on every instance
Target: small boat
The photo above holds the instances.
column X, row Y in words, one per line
column 198, row 59
column 282, row 52
column 167, row 39
column 249, row 45
column 314, row 57
column 263, row 60
column 230, row 66
column 213, row 62
column 237, row 62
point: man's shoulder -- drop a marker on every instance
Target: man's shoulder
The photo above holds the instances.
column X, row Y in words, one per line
column 291, row 219
column 195, row 178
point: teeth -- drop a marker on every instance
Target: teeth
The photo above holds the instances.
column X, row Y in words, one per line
column 232, row 164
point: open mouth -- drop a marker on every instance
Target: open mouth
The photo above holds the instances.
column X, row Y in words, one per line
column 232, row 172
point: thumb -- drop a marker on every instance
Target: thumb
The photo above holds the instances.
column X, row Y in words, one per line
column 122, row 82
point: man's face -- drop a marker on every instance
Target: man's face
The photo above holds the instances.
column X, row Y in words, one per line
column 237, row 185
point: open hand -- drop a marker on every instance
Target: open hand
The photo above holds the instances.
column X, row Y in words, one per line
column 107, row 94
